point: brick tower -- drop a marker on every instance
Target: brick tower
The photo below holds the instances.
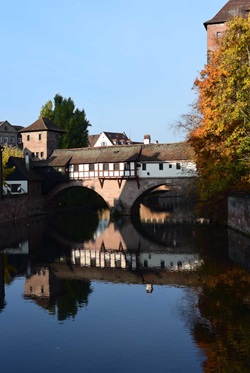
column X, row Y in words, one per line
column 217, row 25
column 41, row 138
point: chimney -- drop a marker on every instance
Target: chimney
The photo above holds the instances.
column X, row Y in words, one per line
column 27, row 161
column 147, row 139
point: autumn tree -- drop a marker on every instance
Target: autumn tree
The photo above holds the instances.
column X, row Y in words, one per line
column 9, row 151
column 222, row 139
column 64, row 114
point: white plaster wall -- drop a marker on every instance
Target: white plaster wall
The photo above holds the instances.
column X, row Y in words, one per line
column 187, row 169
column 23, row 188
column 103, row 139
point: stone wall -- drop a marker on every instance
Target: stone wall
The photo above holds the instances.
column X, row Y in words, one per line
column 239, row 213
column 18, row 207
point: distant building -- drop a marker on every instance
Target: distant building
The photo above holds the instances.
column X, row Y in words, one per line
column 217, row 25
column 109, row 139
column 114, row 138
column 41, row 138
column 9, row 134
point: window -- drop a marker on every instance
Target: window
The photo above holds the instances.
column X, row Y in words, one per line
column 218, row 34
column 32, row 155
column 28, row 137
column 103, row 143
column 39, row 137
column 118, row 263
column 91, row 167
column 145, row 263
column 170, row 166
column 178, row 166
column 6, row 139
column 42, row 154
column 116, row 166
column 12, row 139
column 107, row 263
column 105, row 167
column 37, row 154
column 1, row 139
column 127, row 166
column 160, row 166
column 144, row 166
column 76, row 168
column 15, row 188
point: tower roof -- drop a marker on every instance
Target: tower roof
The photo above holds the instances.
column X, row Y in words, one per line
column 230, row 10
column 42, row 124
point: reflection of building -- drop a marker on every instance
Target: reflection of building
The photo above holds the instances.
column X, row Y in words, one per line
column 112, row 249
column 104, row 259
column 41, row 283
column 147, row 215
column 135, row 261
column 168, row 261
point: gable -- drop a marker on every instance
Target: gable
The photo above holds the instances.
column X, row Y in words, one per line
column 6, row 127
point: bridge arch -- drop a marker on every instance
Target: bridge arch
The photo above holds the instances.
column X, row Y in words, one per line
column 124, row 196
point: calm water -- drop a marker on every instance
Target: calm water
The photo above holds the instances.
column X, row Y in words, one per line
column 81, row 293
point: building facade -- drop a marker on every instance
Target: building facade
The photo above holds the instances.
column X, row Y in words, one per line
column 218, row 24
column 41, row 138
column 9, row 134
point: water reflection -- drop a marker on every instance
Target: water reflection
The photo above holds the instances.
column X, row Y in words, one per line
column 61, row 257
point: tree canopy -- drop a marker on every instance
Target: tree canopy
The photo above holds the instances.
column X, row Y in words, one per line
column 9, row 151
column 222, row 138
column 63, row 113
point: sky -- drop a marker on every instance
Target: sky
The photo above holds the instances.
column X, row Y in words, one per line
column 130, row 64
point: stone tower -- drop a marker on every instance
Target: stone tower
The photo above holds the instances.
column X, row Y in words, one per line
column 41, row 138
column 217, row 25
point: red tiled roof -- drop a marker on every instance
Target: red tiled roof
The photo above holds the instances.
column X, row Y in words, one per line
column 231, row 9
column 92, row 139
column 120, row 153
column 42, row 124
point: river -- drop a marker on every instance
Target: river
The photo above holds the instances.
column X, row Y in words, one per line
column 81, row 292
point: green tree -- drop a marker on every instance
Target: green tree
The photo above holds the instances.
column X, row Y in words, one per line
column 222, row 139
column 63, row 113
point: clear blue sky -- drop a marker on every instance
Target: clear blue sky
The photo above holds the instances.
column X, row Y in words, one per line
column 130, row 64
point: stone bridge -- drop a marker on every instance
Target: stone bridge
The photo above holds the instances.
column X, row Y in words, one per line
column 121, row 175
column 126, row 195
